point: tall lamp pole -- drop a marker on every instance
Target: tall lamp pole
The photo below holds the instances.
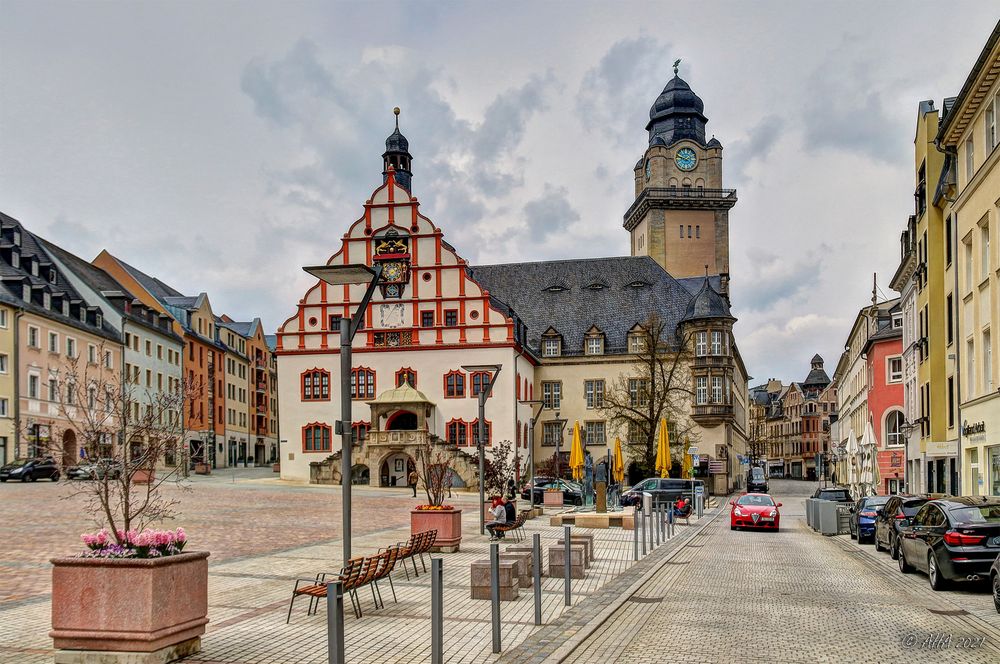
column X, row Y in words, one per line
column 341, row 275
column 562, row 431
column 531, row 446
column 484, row 394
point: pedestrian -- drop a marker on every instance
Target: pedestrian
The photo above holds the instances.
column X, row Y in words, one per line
column 511, row 489
column 499, row 518
column 412, row 481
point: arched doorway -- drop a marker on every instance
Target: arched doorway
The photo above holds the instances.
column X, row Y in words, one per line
column 360, row 474
column 395, row 469
column 401, row 420
column 69, row 448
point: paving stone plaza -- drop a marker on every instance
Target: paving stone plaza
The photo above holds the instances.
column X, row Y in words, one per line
column 695, row 598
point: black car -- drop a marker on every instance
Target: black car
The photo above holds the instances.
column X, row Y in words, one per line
column 995, row 583
column 863, row 514
column 664, row 490
column 757, row 480
column 895, row 514
column 837, row 494
column 952, row 539
column 572, row 492
column 30, row 469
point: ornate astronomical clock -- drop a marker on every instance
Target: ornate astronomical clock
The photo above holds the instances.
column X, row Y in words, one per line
column 392, row 252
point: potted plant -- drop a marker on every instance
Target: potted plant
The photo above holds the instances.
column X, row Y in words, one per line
column 435, row 473
column 133, row 589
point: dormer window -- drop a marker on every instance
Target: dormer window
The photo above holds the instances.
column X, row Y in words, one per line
column 595, row 345
column 637, row 284
column 596, row 286
column 636, row 342
column 46, row 300
column 551, row 347
column 555, row 288
column 52, row 276
column 26, row 292
column 34, row 268
column 17, row 237
column 98, row 319
column 15, row 259
column 65, row 307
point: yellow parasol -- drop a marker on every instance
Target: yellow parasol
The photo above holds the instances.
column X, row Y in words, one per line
column 576, row 454
column 663, row 451
column 687, row 469
column 618, row 463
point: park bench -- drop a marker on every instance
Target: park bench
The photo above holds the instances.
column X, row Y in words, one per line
column 516, row 528
column 417, row 545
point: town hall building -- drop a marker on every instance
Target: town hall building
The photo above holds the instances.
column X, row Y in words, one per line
column 562, row 332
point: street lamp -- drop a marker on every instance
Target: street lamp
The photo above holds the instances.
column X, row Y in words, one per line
column 531, row 445
column 346, row 275
column 562, row 429
column 484, row 393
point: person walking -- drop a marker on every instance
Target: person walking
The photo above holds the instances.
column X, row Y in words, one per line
column 412, row 481
column 499, row 514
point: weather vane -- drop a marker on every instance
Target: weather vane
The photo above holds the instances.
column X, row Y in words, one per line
column 677, row 64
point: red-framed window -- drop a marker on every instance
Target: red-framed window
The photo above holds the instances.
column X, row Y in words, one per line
column 316, row 437
column 517, row 434
column 527, row 443
column 426, row 319
column 362, row 383
column 451, row 317
column 360, row 431
column 457, row 433
column 454, row 385
column 315, row 385
column 517, row 386
column 474, row 432
column 480, row 381
column 406, row 375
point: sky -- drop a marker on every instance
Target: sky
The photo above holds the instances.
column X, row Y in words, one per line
column 220, row 146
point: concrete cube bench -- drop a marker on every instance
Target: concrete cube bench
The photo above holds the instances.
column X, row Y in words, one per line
column 587, row 541
column 557, row 556
column 524, row 567
column 480, row 579
column 526, row 548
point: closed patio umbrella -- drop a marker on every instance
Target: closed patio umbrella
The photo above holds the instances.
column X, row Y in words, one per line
column 576, row 454
column 663, row 451
column 618, row 463
column 687, row 468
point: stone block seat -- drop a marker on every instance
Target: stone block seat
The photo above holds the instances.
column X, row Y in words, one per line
column 525, row 571
column 480, row 579
column 585, row 539
column 557, row 557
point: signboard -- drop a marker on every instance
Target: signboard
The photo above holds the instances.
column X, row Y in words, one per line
column 940, row 448
column 692, row 450
column 715, row 467
column 699, row 489
column 695, row 460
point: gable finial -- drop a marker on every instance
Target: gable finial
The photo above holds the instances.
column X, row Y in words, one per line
column 395, row 112
column 677, row 64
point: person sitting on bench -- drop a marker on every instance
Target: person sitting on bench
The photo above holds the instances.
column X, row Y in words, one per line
column 499, row 518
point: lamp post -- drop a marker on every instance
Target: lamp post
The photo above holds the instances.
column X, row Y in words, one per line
column 531, row 446
column 562, row 430
column 484, row 393
column 346, row 275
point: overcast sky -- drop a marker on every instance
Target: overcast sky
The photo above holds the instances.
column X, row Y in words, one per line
column 220, row 146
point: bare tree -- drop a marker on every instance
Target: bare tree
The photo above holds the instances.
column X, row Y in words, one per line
column 657, row 386
column 499, row 468
column 124, row 431
column 434, row 470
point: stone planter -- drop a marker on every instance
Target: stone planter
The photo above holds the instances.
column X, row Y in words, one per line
column 552, row 498
column 447, row 523
column 202, row 469
column 109, row 608
column 276, row 467
column 144, row 476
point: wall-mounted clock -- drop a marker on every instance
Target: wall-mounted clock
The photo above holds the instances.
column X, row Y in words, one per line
column 686, row 159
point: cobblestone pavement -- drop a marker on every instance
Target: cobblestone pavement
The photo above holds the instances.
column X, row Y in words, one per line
column 263, row 534
column 791, row 596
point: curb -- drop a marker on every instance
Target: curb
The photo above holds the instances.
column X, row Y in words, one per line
column 588, row 630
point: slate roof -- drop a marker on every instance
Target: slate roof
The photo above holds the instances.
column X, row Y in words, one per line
column 694, row 284
column 271, row 340
column 244, row 329
column 156, row 288
column 571, row 296
column 817, row 378
column 708, row 303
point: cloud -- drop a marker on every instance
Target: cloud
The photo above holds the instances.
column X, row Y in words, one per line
column 615, row 95
column 549, row 214
column 755, row 148
column 775, row 277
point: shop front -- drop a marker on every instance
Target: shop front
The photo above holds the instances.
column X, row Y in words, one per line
column 981, row 447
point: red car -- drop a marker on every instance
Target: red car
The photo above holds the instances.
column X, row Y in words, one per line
column 754, row 510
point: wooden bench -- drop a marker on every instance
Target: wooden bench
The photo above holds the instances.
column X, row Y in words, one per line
column 516, row 529
column 417, row 545
column 479, row 572
column 557, row 556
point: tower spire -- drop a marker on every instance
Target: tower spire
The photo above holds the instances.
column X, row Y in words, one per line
column 397, row 156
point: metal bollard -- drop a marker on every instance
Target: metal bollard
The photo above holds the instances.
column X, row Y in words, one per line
column 666, row 520
column 335, row 622
column 567, row 552
column 495, row 593
column 536, row 560
column 670, row 518
column 635, row 536
column 649, row 533
column 437, row 611
column 642, row 528
column 656, row 522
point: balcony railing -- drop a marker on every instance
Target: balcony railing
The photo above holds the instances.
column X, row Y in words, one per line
column 712, row 410
column 713, row 361
column 691, row 195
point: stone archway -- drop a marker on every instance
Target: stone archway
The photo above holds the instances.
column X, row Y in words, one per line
column 402, row 420
column 69, row 448
column 360, row 474
column 394, row 468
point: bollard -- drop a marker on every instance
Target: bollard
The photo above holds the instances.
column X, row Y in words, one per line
column 567, row 566
column 335, row 622
column 437, row 611
column 649, row 533
column 670, row 518
column 536, row 561
column 635, row 536
column 641, row 525
column 656, row 522
column 495, row 593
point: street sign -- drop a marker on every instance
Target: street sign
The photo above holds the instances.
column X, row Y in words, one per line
column 715, row 467
column 692, row 450
column 695, row 460
column 699, row 490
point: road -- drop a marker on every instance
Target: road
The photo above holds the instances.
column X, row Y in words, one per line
column 792, row 596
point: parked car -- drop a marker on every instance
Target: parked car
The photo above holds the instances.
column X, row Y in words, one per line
column 952, row 539
column 93, row 470
column 538, row 481
column 995, row 583
column 572, row 492
column 839, row 494
column 895, row 514
column 754, row 510
column 664, row 489
column 30, row 469
column 756, row 480
column 863, row 515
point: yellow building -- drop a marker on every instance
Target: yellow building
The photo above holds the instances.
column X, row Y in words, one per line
column 970, row 208
column 938, row 442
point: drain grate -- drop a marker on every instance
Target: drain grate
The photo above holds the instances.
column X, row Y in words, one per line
column 645, row 600
column 946, row 612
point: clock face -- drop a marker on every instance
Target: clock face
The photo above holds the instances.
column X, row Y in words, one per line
column 649, row 169
column 392, row 272
column 686, row 159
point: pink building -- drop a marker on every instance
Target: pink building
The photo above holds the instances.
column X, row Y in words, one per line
column 884, row 356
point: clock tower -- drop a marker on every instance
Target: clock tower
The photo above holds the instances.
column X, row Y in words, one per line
column 680, row 216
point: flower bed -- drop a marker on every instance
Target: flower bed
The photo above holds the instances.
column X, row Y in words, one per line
column 433, row 507
column 134, row 544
